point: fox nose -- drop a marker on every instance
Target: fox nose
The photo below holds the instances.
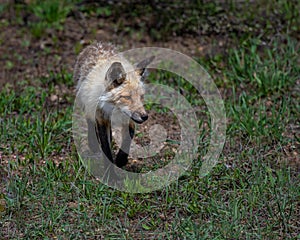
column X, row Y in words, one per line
column 144, row 117
column 139, row 117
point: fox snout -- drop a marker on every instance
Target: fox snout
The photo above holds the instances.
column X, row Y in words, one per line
column 139, row 117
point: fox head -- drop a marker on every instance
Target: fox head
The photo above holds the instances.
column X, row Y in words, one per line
column 125, row 90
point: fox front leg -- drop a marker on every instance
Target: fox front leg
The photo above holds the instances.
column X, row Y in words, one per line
column 127, row 135
column 97, row 136
column 103, row 132
column 92, row 137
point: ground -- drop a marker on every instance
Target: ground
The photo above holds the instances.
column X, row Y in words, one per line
column 251, row 50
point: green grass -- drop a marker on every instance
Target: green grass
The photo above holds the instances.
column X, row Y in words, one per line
column 251, row 193
column 266, row 73
column 44, row 15
column 204, row 18
column 237, row 20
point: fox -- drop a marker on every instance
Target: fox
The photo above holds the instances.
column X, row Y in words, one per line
column 108, row 83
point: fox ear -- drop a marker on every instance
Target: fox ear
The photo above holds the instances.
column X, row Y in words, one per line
column 115, row 75
column 141, row 66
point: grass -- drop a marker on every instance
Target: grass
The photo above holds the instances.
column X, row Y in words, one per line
column 241, row 21
column 44, row 15
column 265, row 74
column 249, row 194
column 201, row 18
column 252, row 193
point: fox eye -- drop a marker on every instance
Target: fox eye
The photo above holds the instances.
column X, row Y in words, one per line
column 126, row 97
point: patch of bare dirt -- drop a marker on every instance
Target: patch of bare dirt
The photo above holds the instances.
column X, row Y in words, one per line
column 24, row 57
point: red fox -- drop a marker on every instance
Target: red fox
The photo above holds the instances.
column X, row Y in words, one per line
column 104, row 86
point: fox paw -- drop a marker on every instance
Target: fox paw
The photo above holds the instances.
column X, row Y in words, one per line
column 122, row 158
